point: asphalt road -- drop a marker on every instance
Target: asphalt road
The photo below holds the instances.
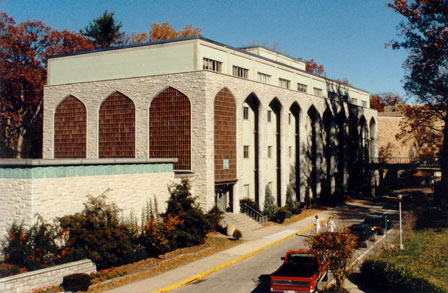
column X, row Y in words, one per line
column 252, row 274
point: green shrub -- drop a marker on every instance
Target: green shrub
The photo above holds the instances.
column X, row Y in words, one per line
column 269, row 208
column 194, row 225
column 384, row 276
column 282, row 214
column 76, row 282
column 214, row 216
column 31, row 248
column 96, row 233
column 249, row 202
column 293, row 205
column 237, row 234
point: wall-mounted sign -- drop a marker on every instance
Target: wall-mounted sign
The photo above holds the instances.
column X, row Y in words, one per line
column 225, row 164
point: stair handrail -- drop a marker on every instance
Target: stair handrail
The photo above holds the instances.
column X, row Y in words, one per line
column 254, row 214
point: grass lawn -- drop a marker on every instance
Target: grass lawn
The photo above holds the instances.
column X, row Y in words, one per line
column 426, row 249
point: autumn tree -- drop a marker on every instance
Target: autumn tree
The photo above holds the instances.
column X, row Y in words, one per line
column 138, row 38
column 105, row 31
column 425, row 36
column 23, row 55
column 379, row 101
column 312, row 67
column 164, row 31
column 422, row 127
column 337, row 248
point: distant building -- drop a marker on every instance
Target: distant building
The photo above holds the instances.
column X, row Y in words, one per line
column 410, row 147
column 239, row 121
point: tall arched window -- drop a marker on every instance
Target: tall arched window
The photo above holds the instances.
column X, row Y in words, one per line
column 170, row 128
column 117, row 127
column 225, row 136
column 70, row 129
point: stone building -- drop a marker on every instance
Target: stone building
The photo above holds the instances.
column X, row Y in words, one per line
column 239, row 121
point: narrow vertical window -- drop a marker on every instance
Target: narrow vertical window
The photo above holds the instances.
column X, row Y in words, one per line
column 246, row 151
column 289, row 118
column 246, row 113
column 290, row 151
column 246, row 190
column 269, row 115
column 269, row 151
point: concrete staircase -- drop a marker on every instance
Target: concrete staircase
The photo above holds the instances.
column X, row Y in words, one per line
column 241, row 221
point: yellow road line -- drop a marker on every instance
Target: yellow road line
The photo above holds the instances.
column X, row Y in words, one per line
column 201, row 275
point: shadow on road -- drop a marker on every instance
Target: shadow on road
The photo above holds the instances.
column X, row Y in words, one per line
column 263, row 284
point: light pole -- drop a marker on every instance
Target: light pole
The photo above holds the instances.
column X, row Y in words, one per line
column 400, row 197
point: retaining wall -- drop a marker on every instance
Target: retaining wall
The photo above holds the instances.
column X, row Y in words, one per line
column 54, row 188
column 46, row 277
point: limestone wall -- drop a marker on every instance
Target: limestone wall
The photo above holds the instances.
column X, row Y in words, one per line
column 201, row 88
column 388, row 127
column 57, row 190
column 52, row 276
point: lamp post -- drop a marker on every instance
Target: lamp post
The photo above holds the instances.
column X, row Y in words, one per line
column 400, row 197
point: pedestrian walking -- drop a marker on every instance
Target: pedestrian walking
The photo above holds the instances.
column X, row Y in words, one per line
column 316, row 225
column 331, row 225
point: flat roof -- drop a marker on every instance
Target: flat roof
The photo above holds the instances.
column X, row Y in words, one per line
column 241, row 50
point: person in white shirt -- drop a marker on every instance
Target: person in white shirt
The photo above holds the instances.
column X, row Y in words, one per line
column 316, row 225
column 331, row 225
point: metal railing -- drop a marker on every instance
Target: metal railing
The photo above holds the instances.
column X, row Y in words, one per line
column 257, row 216
column 418, row 162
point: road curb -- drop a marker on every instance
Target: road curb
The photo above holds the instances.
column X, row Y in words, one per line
column 208, row 272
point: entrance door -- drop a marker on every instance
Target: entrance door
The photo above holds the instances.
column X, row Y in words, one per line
column 224, row 197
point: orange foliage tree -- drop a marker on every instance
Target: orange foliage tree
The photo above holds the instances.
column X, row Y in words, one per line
column 312, row 67
column 379, row 101
column 423, row 127
column 337, row 248
column 425, row 36
column 25, row 48
column 164, row 31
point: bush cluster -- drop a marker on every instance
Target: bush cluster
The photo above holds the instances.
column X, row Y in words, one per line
column 271, row 210
column 30, row 248
column 385, row 276
column 100, row 234
column 281, row 214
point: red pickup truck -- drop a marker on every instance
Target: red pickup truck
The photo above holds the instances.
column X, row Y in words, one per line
column 301, row 271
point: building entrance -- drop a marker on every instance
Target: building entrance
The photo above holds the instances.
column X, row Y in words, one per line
column 224, row 197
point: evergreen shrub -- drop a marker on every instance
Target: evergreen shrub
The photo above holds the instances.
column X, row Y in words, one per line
column 97, row 233
column 282, row 214
column 194, row 225
column 270, row 207
column 76, row 282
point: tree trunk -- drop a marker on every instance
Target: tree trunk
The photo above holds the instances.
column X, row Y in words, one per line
column 443, row 190
column 19, row 146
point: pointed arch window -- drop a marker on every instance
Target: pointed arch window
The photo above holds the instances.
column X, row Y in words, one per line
column 70, row 120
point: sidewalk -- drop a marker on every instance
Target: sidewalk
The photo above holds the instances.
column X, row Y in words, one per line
column 255, row 241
